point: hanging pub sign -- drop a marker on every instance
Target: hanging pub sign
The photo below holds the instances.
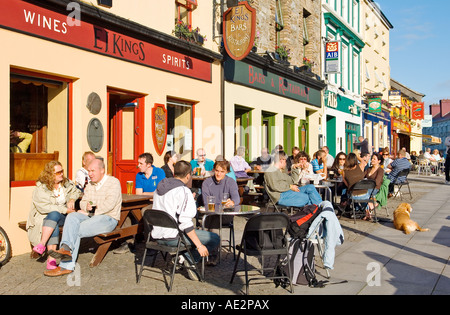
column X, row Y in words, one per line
column 395, row 98
column 239, row 24
column 159, row 127
column 375, row 105
column 418, row 110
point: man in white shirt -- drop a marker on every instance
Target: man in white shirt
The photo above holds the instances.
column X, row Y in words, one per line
column 173, row 197
column 103, row 197
column 82, row 175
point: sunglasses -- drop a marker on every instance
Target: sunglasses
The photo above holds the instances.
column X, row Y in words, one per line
column 341, row 159
column 59, row 172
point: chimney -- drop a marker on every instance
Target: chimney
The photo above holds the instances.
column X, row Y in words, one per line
column 445, row 107
column 435, row 110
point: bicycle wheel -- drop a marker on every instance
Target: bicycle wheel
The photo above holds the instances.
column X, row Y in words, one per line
column 5, row 247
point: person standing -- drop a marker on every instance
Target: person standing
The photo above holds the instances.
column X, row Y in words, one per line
column 103, row 197
column 447, row 161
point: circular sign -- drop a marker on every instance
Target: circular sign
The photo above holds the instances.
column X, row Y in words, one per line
column 95, row 135
column 94, row 103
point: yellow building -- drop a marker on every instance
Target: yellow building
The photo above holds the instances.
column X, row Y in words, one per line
column 113, row 80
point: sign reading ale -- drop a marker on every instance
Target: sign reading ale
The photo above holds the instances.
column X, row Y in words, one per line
column 239, row 24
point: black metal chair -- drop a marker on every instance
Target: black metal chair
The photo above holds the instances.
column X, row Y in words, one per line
column 258, row 230
column 276, row 206
column 162, row 219
column 364, row 184
column 212, row 221
column 400, row 184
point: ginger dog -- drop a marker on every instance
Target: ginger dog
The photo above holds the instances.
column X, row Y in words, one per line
column 402, row 220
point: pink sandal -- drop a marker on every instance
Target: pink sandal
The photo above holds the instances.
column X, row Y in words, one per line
column 39, row 248
column 51, row 264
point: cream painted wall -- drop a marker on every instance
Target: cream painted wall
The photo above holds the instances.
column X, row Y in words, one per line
column 92, row 73
column 375, row 56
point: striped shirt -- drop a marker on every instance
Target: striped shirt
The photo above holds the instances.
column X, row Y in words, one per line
column 397, row 166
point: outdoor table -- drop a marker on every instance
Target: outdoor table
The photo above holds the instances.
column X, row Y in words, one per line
column 240, row 210
column 131, row 206
column 336, row 182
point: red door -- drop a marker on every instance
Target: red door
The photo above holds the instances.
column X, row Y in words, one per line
column 126, row 135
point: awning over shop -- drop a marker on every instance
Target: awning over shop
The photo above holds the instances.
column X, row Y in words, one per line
column 427, row 139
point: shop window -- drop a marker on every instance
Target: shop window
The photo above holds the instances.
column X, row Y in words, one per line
column 39, row 112
column 180, row 128
column 279, row 24
column 184, row 10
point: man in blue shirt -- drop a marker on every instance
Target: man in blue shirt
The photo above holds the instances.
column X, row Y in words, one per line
column 396, row 167
column 149, row 176
column 201, row 161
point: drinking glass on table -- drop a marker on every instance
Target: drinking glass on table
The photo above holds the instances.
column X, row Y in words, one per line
column 211, row 203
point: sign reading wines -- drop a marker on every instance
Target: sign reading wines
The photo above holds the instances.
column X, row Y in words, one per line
column 239, row 25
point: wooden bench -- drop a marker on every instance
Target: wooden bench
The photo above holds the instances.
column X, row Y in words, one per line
column 28, row 166
column 131, row 206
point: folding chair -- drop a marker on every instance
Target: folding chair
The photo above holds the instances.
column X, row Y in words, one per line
column 423, row 166
column 160, row 218
column 364, row 184
column 315, row 237
column 212, row 221
column 275, row 225
column 276, row 206
column 395, row 182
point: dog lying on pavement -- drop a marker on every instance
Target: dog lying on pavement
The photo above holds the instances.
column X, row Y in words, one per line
column 402, row 219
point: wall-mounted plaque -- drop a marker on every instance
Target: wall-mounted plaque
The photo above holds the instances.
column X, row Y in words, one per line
column 94, row 103
column 95, row 135
column 159, row 127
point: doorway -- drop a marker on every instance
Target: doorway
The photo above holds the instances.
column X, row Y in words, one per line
column 126, row 135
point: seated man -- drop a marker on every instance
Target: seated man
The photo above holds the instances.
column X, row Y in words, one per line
column 173, row 197
column 219, row 184
column 102, row 195
column 282, row 188
column 396, row 167
column 82, row 175
column 201, row 161
column 149, row 176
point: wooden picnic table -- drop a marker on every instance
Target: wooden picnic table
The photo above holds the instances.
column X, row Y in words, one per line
column 131, row 207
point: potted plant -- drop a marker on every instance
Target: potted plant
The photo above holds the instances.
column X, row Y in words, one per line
column 284, row 54
column 307, row 63
column 183, row 31
column 199, row 39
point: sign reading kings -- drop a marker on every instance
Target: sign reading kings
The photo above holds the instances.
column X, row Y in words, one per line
column 239, row 25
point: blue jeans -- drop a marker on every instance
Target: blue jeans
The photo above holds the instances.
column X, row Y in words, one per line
column 306, row 196
column 54, row 220
column 366, row 195
column 209, row 239
column 78, row 226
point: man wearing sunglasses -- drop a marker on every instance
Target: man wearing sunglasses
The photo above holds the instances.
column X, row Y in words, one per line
column 201, row 161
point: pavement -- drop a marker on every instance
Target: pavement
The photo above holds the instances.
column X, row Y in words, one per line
column 375, row 259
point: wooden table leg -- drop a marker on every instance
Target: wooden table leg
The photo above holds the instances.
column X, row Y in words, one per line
column 99, row 254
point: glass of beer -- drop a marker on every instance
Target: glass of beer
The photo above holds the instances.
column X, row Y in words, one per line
column 225, row 198
column 211, row 203
column 129, row 187
column 331, row 174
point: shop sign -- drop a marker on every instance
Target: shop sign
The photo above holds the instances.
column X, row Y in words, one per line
column 418, row 110
column 395, row 98
column 255, row 77
column 374, row 105
column 427, row 121
column 400, row 125
column 331, row 99
column 40, row 22
column 239, row 24
column 159, row 127
column 332, row 64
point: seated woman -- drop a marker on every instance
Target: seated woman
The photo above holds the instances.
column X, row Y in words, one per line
column 301, row 167
column 353, row 174
column 338, row 169
column 53, row 198
column 170, row 158
column 386, row 160
column 238, row 163
column 376, row 173
column 320, row 163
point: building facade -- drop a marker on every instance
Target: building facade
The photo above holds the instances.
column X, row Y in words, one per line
column 376, row 76
column 118, row 81
column 440, row 128
column 342, row 112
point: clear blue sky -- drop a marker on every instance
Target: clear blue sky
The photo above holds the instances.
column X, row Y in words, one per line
column 420, row 46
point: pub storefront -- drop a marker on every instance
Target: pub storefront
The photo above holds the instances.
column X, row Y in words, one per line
column 103, row 84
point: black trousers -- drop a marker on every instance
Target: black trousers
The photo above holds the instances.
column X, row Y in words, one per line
column 447, row 168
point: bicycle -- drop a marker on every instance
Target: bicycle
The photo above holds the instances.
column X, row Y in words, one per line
column 5, row 247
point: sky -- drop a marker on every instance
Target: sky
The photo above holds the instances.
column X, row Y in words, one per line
column 419, row 44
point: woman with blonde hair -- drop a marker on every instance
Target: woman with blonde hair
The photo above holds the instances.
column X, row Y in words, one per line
column 53, row 198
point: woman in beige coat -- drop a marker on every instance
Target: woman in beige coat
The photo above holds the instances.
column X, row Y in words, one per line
column 53, row 198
